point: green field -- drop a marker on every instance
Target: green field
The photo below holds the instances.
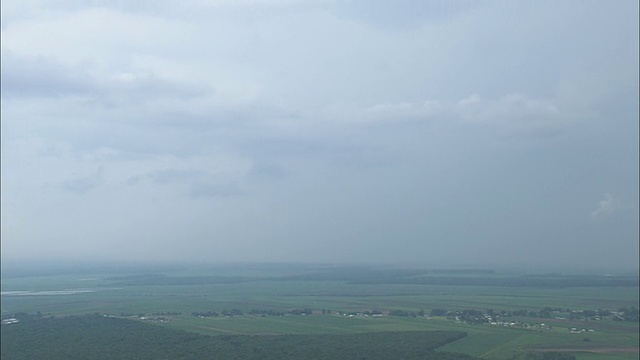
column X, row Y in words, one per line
column 185, row 291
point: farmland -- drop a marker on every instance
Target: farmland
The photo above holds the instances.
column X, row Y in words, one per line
column 504, row 315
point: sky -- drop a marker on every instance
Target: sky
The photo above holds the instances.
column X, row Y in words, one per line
column 438, row 133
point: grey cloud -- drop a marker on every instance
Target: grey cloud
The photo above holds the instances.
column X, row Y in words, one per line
column 284, row 147
column 18, row 10
column 265, row 170
column 272, row 154
column 192, row 182
column 213, row 190
column 41, row 77
column 332, row 127
column 82, row 185
column 168, row 176
column 150, row 86
column 44, row 77
column 404, row 14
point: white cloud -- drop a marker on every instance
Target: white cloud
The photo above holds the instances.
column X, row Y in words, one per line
column 404, row 111
column 512, row 110
column 606, row 207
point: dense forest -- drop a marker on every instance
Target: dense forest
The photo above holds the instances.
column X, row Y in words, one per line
column 97, row 337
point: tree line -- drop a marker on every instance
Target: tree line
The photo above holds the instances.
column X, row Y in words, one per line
column 92, row 337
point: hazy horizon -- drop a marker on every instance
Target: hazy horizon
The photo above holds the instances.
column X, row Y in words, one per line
column 21, row 269
column 488, row 134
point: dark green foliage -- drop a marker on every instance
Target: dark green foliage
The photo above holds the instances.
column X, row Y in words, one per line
column 204, row 313
column 270, row 312
column 399, row 312
column 233, row 312
column 438, row 312
column 96, row 337
column 628, row 314
column 305, row 311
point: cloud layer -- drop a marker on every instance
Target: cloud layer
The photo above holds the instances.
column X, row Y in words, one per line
column 324, row 131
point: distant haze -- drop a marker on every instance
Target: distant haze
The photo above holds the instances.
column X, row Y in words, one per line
column 406, row 132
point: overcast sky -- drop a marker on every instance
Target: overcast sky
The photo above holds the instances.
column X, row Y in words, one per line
column 444, row 132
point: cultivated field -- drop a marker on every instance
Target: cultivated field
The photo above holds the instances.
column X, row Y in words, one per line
column 305, row 300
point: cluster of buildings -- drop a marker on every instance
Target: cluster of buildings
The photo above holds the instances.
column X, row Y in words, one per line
column 10, row 321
